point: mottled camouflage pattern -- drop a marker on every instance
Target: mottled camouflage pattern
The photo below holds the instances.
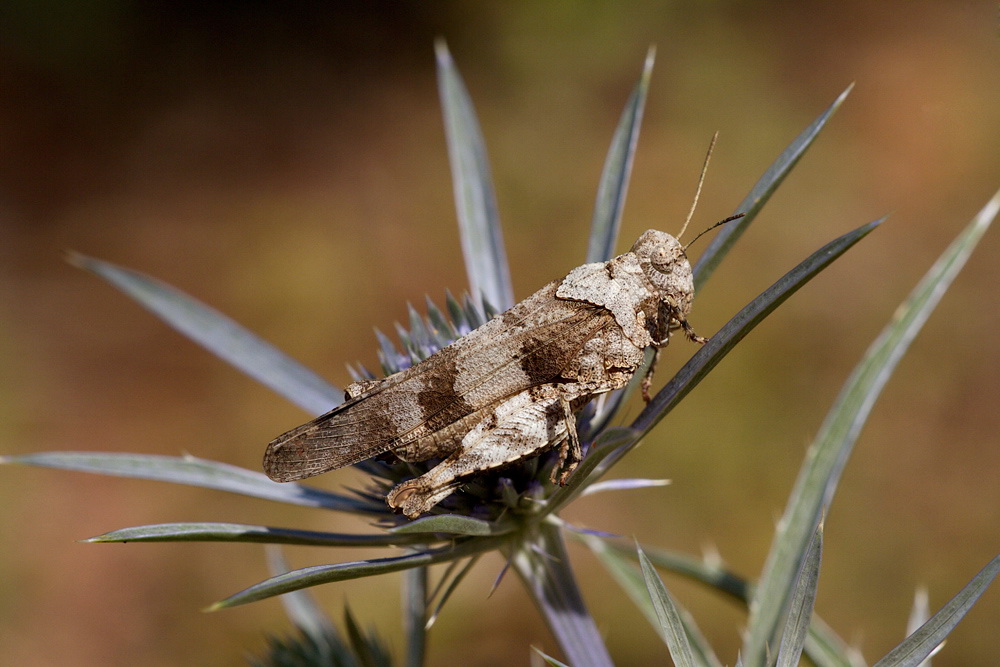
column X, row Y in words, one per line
column 509, row 389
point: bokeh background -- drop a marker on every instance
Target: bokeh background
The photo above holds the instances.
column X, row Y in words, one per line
column 285, row 163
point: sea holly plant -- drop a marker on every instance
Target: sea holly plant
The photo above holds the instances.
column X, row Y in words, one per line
column 516, row 510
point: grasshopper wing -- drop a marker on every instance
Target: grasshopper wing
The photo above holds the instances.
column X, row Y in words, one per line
column 540, row 340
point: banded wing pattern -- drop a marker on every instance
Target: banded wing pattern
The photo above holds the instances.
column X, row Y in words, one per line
column 540, row 340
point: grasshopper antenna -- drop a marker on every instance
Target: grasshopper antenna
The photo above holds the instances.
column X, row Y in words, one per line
column 718, row 224
column 697, row 195
column 701, row 182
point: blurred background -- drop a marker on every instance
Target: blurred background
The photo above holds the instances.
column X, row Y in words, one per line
column 286, row 163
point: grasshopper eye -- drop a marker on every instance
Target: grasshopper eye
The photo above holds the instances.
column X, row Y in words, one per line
column 665, row 257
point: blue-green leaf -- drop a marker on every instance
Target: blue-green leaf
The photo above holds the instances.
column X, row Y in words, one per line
column 619, row 561
column 613, row 186
column 195, row 472
column 823, row 646
column 760, row 194
column 793, row 637
column 221, row 336
column 447, row 585
column 624, row 485
column 929, row 636
column 671, row 627
column 552, row 662
column 443, row 330
column 451, row 524
column 828, row 454
column 920, row 613
column 696, row 569
column 368, row 647
column 325, row 574
column 239, row 532
column 457, row 314
column 475, row 200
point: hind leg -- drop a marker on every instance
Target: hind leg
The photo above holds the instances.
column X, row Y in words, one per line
column 522, row 426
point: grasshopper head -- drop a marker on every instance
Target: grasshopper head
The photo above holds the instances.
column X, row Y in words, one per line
column 667, row 268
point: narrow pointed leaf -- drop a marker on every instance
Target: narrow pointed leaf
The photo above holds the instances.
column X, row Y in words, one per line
column 613, row 186
column 823, row 646
column 300, row 606
column 671, row 627
column 793, row 637
column 489, row 311
column 452, row 524
column 444, row 330
column 195, row 472
column 622, row 564
column 545, row 570
column 759, row 195
column 239, row 532
column 221, row 336
column 357, row 373
column 623, row 485
column 418, row 332
column 457, row 314
column 826, row 649
column 920, row 613
column 549, row 660
column 475, row 200
column 695, row 569
column 367, row 648
column 449, row 572
column 474, row 314
column 389, row 356
column 410, row 347
column 925, row 640
column 827, row 456
column 325, row 574
column 448, row 586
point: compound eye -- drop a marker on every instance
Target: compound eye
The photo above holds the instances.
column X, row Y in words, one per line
column 663, row 259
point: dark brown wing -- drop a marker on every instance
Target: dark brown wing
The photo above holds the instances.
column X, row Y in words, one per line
column 539, row 340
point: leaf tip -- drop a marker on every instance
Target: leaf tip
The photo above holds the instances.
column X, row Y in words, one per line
column 442, row 53
column 991, row 209
column 843, row 96
column 79, row 260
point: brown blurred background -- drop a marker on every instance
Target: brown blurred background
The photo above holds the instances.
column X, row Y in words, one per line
column 285, row 163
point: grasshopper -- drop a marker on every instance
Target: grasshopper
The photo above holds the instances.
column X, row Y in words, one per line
column 510, row 389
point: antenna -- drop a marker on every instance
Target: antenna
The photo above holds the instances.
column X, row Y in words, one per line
column 701, row 182
column 718, row 224
column 697, row 195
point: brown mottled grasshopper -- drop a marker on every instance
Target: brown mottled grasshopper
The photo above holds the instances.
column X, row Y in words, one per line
column 508, row 390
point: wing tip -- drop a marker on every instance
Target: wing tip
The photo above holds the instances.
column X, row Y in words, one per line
column 278, row 467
